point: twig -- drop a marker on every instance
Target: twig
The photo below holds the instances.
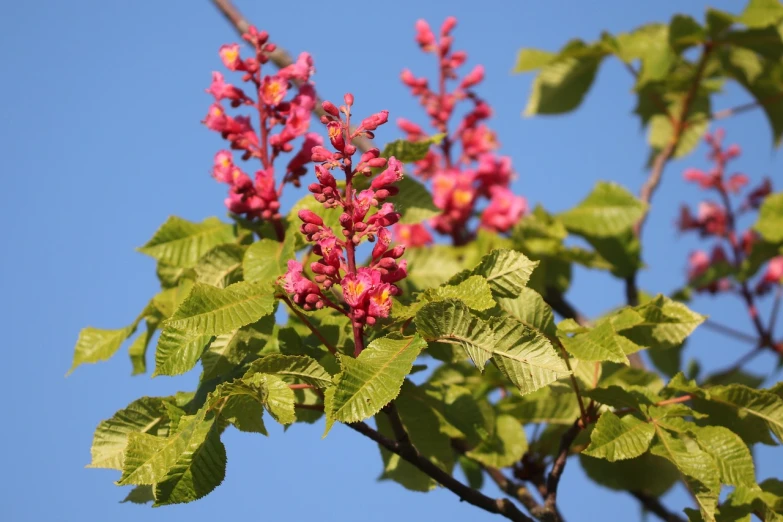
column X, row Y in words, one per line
column 773, row 316
column 654, row 506
column 550, row 501
column 507, row 485
column 559, row 304
column 726, row 113
column 280, row 58
column 307, row 323
column 731, row 332
column 500, row 506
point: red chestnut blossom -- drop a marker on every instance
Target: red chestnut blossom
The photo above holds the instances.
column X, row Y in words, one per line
column 504, row 209
column 412, row 235
column 366, row 291
column 259, row 197
column 773, row 275
column 463, row 178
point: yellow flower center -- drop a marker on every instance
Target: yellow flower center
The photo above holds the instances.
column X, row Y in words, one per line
column 462, row 197
column 334, row 131
column 230, row 55
column 382, row 298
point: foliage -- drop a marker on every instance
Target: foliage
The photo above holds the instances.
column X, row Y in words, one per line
column 285, row 320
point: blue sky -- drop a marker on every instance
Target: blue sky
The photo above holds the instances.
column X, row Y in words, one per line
column 100, row 131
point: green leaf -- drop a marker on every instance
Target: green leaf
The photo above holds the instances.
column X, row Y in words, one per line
column 210, row 310
column 698, row 468
column 765, row 41
column 662, row 130
column 266, row 260
column 544, row 406
column 473, row 291
column 747, row 402
column 451, row 322
column 410, row 151
column 770, row 220
column 431, row 266
column 684, row 32
column 372, row 380
column 221, row 266
column 178, row 350
column 181, row 243
column 138, row 349
column 765, row 86
column 561, row 85
column 608, row 210
column 532, row 59
column 733, row 457
column 504, row 447
column 648, row 473
column 96, row 345
column 506, row 271
column 530, row 309
column 140, row 495
column 148, row 459
column 664, row 323
column 525, row 356
column 598, row 344
column 195, row 474
column 657, row 58
column 616, row 438
column 246, row 413
column 269, row 391
column 227, row 351
column 762, row 13
column 145, row 415
column 301, row 367
column 414, row 203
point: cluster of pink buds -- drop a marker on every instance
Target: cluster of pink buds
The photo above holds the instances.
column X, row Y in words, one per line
column 366, row 215
column 458, row 183
column 718, row 220
column 259, row 197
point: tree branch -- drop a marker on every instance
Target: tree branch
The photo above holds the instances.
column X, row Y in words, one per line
column 654, row 506
column 550, row 501
column 499, row 506
column 559, row 304
column 280, row 58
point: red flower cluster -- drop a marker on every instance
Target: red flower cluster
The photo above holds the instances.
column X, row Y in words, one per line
column 366, row 215
column 718, row 220
column 259, row 197
column 458, row 183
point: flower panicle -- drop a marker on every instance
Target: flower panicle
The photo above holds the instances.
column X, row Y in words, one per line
column 461, row 183
column 366, row 215
column 283, row 102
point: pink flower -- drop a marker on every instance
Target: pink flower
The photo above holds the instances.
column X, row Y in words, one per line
column 424, row 35
column 773, row 275
column 300, row 70
column 477, row 141
column 704, row 180
column 223, row 165
column 357, row 286
column 493, row 171
column 306, row 293
column 216, row 119
column 222, row 90
column 273, row 89
column 473, row 78
column 230, row 56
column 736, row 182
column 391, row 175
column 504, row 210
column 412, row 235
column 712, row 218
column 414, row 132
column 379, row 302
column 774, row 272
column 374, row 121
column 698, row 263
column 757, row 196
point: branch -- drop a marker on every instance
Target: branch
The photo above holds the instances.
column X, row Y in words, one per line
column 654, row 506
column 280, row 58
column 559, row 304
column 499, row 506
column 731, row 332
column 727, row 113
column 550, row 501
